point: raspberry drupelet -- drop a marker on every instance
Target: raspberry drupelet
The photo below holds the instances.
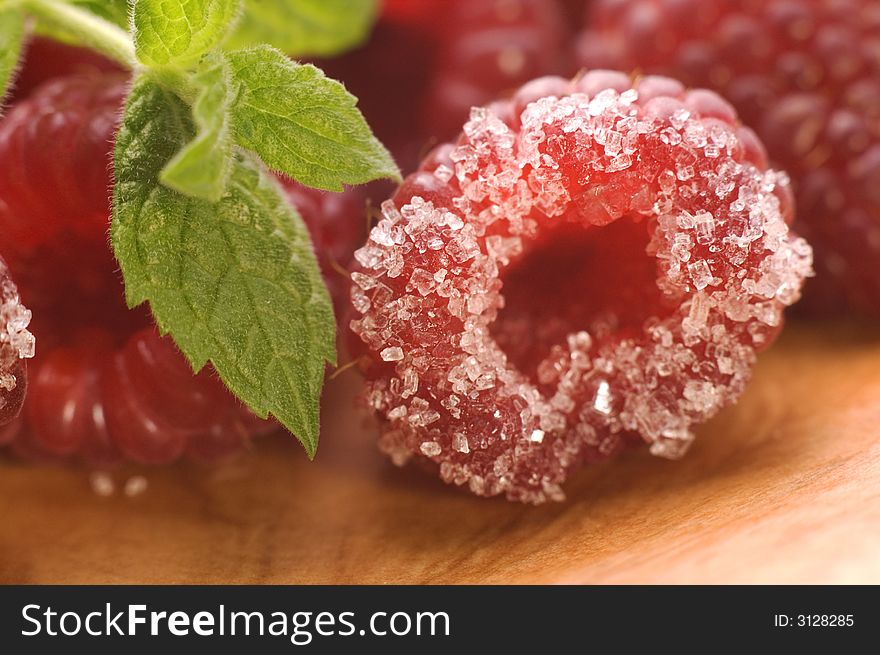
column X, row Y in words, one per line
column 805, row 74
column 16, row 345
column 593, row 264
column 106, row 386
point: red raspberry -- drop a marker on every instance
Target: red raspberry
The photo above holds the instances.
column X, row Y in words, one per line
column 415, row 13
column 590, row 266
column 486, row 50
column 45, row 59
column 429, row 61
column 106, row 385
column 574, row 10
column 16, row 345
column 806, row 75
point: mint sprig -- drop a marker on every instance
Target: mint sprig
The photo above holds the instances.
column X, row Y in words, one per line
column 200, row 228
column 235, row 281
column 300, row 28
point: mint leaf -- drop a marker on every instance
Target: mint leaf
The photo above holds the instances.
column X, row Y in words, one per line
column 302, row 123
column 180, row 31
column 235, row 282
column 11, row 35
column 201, row 169
column 306, row 27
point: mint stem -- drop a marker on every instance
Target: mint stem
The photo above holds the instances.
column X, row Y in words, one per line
column 88, row 29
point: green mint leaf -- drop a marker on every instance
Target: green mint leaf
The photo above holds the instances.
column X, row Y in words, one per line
column 11, row 35
column 235, row 282
column 302, row 123
column 168, row 32
column 303, row 28
column 201, row 169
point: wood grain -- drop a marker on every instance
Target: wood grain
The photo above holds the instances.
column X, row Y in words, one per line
column 785, row 487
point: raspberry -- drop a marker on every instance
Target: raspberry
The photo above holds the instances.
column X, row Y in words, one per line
column 590, row 266
column 106, row 386
column 806, row 75
column 46, row 59
column 16, row 344
column 574, row 10
column 440, row 57
column 415, row 13
column 487, row 49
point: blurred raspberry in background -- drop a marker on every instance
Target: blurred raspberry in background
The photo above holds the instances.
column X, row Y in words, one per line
column 46, row 59
column 429, row 61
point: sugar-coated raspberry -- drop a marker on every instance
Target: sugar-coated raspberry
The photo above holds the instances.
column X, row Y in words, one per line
column 593, row 264
column 16, row 345
column 806, row 75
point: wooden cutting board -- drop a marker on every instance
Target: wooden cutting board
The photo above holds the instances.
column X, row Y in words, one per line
column 784, row 487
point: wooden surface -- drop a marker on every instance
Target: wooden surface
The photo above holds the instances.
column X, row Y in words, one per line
column 785, row 487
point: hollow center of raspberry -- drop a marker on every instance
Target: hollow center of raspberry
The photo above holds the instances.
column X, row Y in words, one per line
column 73, row 286
column 571, row 279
